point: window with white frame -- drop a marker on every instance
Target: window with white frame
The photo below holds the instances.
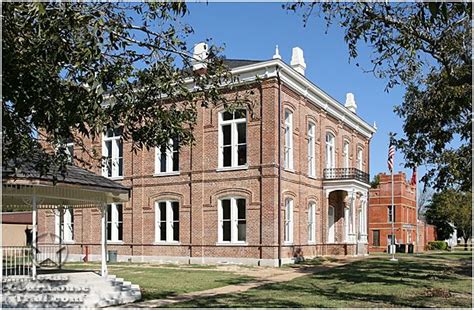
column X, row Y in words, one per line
column 345, row 154
column 114, row 222
column 232, row 220
column 70, row 151
column 359, row 158
column 311, row 150
column 330, row 151
column 112, row 151
column 289, row 220
column 167, row 157
column 233, row 139
column 64, row 228
column 288, row 140
column 167, row 221
column 312, row 222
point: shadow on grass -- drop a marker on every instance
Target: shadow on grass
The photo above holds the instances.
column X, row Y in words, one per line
column 150, row 293
column 374, row 282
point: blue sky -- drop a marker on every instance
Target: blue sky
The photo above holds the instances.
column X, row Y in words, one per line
column 251, row 31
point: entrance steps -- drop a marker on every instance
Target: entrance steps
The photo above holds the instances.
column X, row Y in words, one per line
column 68, row 290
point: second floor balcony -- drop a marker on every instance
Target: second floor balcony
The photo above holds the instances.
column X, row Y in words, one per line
column 346, row 174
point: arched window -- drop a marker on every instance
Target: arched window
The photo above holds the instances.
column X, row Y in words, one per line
column 288, row 140
column 167, row 221
column 311, row 150
column 312, row 222
column 330, row 151
column 232, row 220
column 289, row 220
column 359, row 158
column 345, row 154
column 233, row 139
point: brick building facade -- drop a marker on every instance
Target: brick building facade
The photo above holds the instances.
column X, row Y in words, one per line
column 255, row 188
column 380, row 215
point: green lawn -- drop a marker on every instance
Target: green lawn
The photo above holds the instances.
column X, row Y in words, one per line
column 429, row 280
column 159, row 282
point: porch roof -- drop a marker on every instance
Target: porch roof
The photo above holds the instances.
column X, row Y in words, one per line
column 78, row 188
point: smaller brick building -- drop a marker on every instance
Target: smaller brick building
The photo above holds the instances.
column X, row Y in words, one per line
column 404, row 217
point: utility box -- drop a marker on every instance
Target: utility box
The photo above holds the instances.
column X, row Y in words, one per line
column 112, row 256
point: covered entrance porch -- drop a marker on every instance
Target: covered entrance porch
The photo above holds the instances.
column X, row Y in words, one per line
column 345, row 213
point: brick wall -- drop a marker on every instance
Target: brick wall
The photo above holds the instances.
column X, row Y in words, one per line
column 199, row 185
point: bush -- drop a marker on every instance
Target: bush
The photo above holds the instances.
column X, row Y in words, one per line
column 437, row 245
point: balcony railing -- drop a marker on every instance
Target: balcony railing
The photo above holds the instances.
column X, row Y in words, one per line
column 346, row 173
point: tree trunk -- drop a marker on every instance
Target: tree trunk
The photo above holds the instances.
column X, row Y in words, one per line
column 465, row 243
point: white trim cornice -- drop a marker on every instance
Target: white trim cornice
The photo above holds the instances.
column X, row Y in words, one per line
column 304, row 87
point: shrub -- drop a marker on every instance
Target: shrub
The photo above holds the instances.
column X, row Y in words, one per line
column 437, row 245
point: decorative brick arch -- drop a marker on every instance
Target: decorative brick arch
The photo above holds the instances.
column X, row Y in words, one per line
column 231, row 192
column 166, row 196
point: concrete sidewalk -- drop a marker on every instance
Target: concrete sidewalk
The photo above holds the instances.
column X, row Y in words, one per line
column 263, row 276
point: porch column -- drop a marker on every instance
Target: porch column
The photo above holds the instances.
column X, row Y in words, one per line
column 34, row 236
column 103, row 212
column 352, row 237
column 363, row 228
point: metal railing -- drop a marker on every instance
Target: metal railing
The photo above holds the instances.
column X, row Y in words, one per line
column 346, row 173
column 17, row 261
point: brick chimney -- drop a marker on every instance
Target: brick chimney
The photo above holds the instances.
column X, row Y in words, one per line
column 297, row 60
column 350, row 102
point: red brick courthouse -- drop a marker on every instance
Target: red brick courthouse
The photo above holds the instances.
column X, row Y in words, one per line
column 256, row 188
column 381, row 217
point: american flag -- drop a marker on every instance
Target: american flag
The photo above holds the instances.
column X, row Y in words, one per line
column 391, row 153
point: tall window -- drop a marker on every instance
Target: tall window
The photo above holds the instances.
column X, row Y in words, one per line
column 167, row 157
column 112, row 150
column 288, row 140
column 233, row 139
column 167, row 221
column 330, row 150
column 114, row 222
column 65, row 229
column 376, row 238
column 311, row 150
column 232, row 220
column 345, row 154
column 70, row 151
column 391, row 214
column 289, row 220
column 312, row 222
column 359, row 158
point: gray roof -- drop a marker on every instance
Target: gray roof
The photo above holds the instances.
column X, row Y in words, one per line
column 73, row 175
column 235, row 63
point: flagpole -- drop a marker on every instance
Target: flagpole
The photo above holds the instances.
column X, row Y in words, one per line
column 416, row 213
column 393, row 226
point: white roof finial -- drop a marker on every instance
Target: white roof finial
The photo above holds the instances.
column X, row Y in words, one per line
column 375, row 125
column 277, row 53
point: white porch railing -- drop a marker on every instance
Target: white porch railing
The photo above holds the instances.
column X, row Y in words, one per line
column 17, row 261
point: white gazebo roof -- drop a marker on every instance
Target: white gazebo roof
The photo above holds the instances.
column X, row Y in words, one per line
column 77, row 188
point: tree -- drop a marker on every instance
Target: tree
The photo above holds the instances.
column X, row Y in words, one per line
column 426, row 47
column 424, row 199
column 71, row 70
column 375, row 181
column 451, row 207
